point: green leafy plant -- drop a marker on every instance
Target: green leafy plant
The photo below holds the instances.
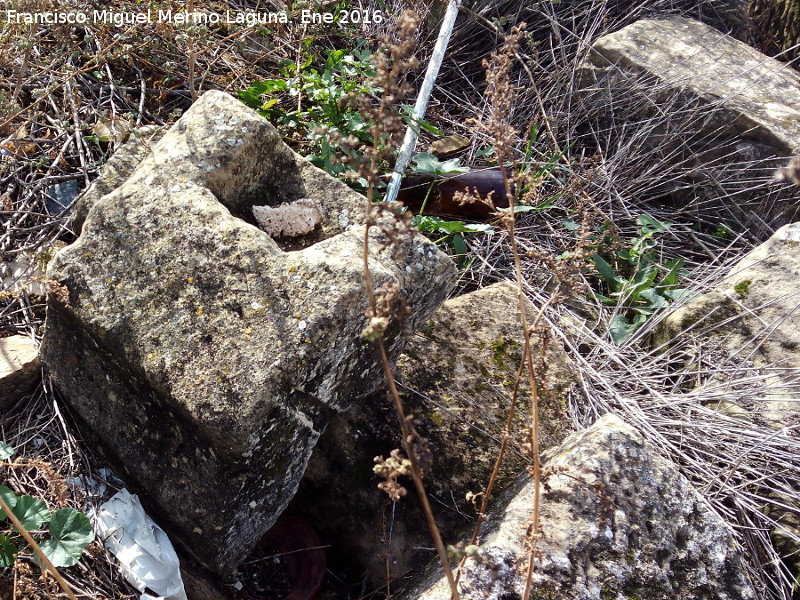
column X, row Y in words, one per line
column 636, row 282
column 313, row 103
column 722, row 232
column 313, row 106
column 546, row 163
column 69, row 531
column 450, row 234
column 428, row 164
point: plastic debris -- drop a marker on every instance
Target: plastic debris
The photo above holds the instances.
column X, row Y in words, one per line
column 147, row 559
column 95, row 488
column 60, row 197
column 25, row 272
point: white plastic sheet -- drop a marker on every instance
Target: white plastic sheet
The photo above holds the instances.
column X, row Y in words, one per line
column 147, row 558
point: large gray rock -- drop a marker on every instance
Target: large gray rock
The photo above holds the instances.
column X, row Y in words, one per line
column 240, row 158
column 748, row 324
column 755, row 96
column 749, row 320
column 205, row 359
column 457, row 373
column 617, row 521
column 692, row 117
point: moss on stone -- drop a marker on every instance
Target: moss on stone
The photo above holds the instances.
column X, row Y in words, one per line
column 742, row 288
column 501, row 348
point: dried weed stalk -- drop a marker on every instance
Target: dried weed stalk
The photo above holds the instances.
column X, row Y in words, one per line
column 523, row 187
column 500, row 92
column 648, row 150
column 385, row 307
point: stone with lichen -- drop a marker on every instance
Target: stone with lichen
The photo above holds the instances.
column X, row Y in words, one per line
column 204, row 358
column 748, row 321
column 457, row 375
column 754, row 96
column 617, row 521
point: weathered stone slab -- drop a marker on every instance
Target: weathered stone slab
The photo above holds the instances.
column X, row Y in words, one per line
column 689, row 117
column 19, row 368
column 458, row 374
column 754, row 96
column 205, row 359
column 617, row 521
column 749, row 324
column 750, row 320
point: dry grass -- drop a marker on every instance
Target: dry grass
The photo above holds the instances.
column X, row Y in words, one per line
column 637, row 153
column 53, row 464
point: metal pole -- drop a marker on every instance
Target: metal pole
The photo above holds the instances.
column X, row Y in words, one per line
column 410, row 140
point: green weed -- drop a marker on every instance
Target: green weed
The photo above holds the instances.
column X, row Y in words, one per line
column 636, row 282
column 314, row 104
column 69, row 530
column 449, row 235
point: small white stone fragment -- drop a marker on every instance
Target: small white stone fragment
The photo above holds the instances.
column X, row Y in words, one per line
column 290, row 219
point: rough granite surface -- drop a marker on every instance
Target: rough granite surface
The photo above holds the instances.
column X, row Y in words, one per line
column 117, row 169
column 236, row 154
column 694, row 105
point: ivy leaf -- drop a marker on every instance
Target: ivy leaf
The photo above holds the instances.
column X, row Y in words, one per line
column 7, row 551
column 70, row 533
column 671, row 278
column 604, row 299
column 679, row 294
column 427, row 163
column 31, row 512
column 9, row 497
column 620, row 329
column 6, row 451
